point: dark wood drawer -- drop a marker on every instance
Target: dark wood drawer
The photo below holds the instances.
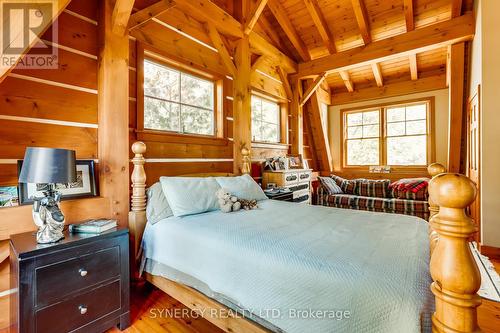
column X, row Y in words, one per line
column 55, row 281
column 81, row 309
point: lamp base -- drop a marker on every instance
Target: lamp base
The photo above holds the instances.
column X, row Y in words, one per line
column 49, row 219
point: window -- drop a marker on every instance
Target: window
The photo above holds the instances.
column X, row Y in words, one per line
column 265, row 120
column 175, row 101
column 395, row 135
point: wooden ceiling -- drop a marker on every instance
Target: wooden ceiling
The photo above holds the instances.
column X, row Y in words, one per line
column 306, row 30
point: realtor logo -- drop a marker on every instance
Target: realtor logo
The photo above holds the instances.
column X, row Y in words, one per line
column 27, row 30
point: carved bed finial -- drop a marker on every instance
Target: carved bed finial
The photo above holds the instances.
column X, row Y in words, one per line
column 453, row 269
column 137, row 214
column 246, row 162
column 434, row 169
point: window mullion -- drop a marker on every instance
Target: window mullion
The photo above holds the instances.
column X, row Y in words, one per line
column 383, row 138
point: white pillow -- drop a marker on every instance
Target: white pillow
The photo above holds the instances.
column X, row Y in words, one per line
column 190, row 195
column 157, row 207
column 244, row 187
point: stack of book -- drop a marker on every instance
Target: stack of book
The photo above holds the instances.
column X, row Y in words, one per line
column 93, row 226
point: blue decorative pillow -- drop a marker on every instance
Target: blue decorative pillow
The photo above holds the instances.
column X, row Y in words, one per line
column 157, row 207
column 330, row 185
column 243, row 187
column 190, row 195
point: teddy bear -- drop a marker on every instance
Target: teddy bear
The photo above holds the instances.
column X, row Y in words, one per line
column 227, row 202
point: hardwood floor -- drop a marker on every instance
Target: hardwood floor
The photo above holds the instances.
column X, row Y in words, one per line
column 154, row 311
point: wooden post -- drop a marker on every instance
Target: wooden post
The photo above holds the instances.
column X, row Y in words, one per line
column 137, row 214
column 242, row 117
column 296, row 121
column 246, row 164
column 113, row 79
column 434, row 169
column 453, row 269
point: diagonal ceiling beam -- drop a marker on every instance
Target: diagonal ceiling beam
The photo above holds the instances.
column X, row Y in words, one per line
column 413, row 66
column 410, row 20
column 273, row 35
column 362, row 19
column 286, row 83
column 17, row 28
column 145, row 15
column 261, row 46
column 312, row 88
column 347, row 80
column 254, row 16
column 377, row 73
column 321, row 24
column 416, row 41
column 212, row 13
column 121, row 15
column 221, row 48
column 287, row 26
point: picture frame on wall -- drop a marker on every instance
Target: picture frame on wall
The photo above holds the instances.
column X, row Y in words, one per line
column 8, row 196
column 85, row 185
column 295, row 161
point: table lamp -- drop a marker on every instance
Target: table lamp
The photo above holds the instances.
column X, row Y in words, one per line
column 49, row 166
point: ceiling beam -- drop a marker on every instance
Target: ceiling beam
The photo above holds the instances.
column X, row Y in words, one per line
column 285, row 82
column 312, row 88
column 413, row 66
column 259, row 62
column 221, row 48
column 287, row 26
column 254, row 16
column 456, row 8
column 121, row 15
column 266, row 26
column 408, row 9
column 210, row 12
column 377, row 73
column 362, row 19
column 347, row 80
column 262, row 46
column 143, row 16
column 9, row 61
column 391, row 90
column 419, row 40
column 321, row 24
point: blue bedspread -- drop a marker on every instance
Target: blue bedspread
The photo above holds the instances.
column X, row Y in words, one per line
column 306, row 268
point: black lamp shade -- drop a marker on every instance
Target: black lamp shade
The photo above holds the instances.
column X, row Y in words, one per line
column 48, row 165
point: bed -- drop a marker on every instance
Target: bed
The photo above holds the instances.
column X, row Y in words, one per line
column 295, row 268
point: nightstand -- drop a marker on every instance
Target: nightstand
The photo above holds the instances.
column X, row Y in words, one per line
column 79, row 284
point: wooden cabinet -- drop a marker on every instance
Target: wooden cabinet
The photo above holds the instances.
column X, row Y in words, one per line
column 80, row 284
column 297, row 180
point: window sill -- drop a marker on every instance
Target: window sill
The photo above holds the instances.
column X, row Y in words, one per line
column 161, row 136
column 269, row 145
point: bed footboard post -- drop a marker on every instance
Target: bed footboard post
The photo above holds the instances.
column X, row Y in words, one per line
column 137, row 214
column 454, row 272
column 433, row 169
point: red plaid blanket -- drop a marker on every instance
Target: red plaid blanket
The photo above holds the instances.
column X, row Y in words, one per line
column 410, row 184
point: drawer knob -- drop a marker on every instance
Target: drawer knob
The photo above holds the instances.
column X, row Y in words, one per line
column 83, row 272
column 83, row 309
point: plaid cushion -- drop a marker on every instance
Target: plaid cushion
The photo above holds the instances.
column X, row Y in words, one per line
column 347, row 186
column 373, row 188
column 410, row 189
column 411, row 207
column 330, row 185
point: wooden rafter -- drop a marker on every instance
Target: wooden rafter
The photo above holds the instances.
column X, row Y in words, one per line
column 321, row 24
column 413, row 66
column 312, row 88
column 145, row 15
column 416, row 41
column 456, row 8
column 391, row 90
column 212, row 13
column 285, row 82
column 9, row 61
column 377, row 73
column 362, row 19
column 287, row 26
column 318, row 135
column 121, row 16
column 347, row 80
column 221, row 48
column 261, row 46
column 254, row 16
column 266, row 26
column 410, row 21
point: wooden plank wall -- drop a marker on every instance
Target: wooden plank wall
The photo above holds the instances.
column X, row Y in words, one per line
column 50, row 108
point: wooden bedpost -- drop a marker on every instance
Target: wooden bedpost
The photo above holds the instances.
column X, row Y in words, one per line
column 137, row 214
column 246, row 164
column 433, row 169
column 453, row 269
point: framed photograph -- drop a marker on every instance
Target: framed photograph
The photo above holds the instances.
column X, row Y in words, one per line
column 295, row 161
column 85, row 185
column 8, row 196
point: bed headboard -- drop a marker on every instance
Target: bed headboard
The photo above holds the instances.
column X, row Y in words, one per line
column 137, row 215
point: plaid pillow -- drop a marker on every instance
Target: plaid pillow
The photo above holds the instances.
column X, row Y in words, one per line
column 373, row 188
column 330, row 185
column 410, row 188
column 347, row 186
